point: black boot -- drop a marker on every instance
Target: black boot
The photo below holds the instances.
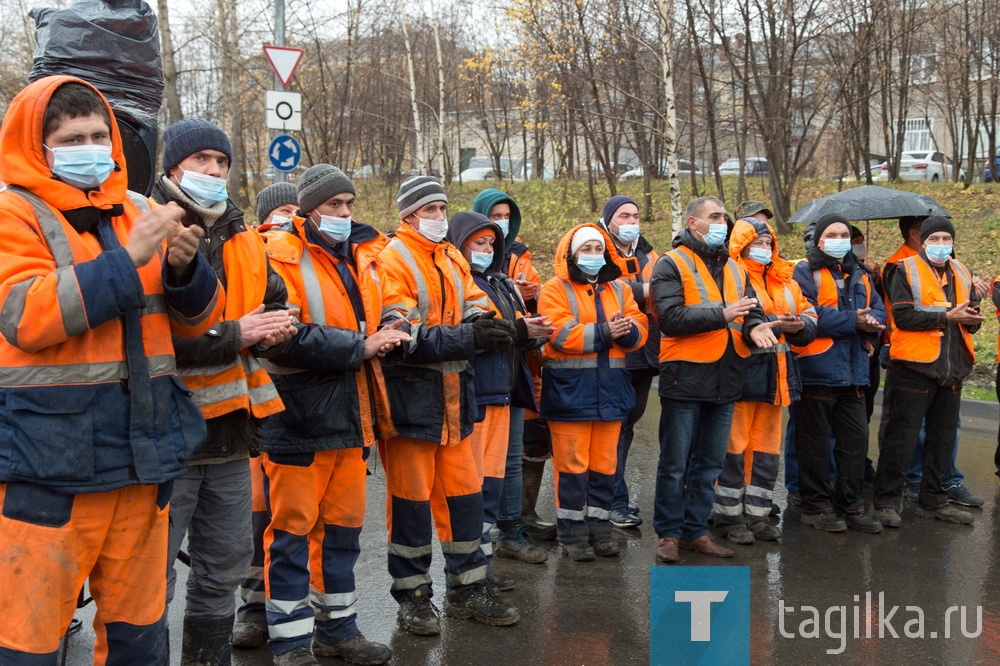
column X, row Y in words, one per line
column 531, row 483
column 206, row 641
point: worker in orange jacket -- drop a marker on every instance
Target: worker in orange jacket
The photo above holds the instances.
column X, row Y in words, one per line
column 315, row 451
column 585, row 388
column 429, row 466
column 93, row 281
column 995, row 295
column 935, row 313
column 745, row 490
column 276, row 206
column 212, row 501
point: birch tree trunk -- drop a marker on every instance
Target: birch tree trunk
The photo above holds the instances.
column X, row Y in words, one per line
column 439, row 148
column 418, row 134
column 666, row 11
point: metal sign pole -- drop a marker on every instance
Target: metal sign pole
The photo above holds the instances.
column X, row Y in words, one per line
column 279, row 40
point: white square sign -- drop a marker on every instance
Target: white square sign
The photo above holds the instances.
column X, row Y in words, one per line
column 283, row 110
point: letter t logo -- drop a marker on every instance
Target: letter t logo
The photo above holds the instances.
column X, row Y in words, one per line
column 701, row 611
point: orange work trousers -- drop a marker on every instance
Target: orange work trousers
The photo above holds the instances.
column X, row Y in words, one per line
column 51, row 543
column 746, row 484
column 312, row 543
column 490, row 439
column 426, row 479
column 251, row 608
column 584, row 456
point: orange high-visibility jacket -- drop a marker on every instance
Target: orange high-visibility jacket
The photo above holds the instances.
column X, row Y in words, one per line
column 891, row 264
column 88, row 384
column 928, row 296
column 701, row 291
column 430, row 286
column 333, row 397
column 241, row 383
column 583, row 373
column 778, row 294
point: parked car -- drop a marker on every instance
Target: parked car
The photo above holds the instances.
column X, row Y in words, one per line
column 926, row 165
column 752, row 166
column 478, row 173
column 684, row 168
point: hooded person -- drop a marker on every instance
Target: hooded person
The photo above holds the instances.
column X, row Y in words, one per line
column 331, row 380
column 585, row 387
column 212, row 502
column 503, row 380
column 94, row 281
column 835, row 371
column 428, row 290
column 744, row 492
column 525, row 469
column 620, row 218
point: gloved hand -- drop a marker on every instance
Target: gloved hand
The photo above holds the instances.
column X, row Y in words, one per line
column 492, row 334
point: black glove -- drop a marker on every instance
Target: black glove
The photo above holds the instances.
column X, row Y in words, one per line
column 491, row 334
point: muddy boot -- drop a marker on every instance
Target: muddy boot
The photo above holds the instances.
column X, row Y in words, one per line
column 206, row 641
column 601, row 539
column 531, row 484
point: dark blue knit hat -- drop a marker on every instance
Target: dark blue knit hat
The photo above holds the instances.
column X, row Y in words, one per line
column 612, row 206
column 186, row 137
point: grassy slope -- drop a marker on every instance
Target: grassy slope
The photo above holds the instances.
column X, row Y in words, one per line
column 550, row 208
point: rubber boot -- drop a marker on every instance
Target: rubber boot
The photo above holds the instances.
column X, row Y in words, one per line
column 206, row 641
column 531, row 484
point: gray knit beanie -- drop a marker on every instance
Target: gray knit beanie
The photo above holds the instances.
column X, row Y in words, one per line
column 320, row 183
column 186, row 137
column 417, row 192
column 274, row 196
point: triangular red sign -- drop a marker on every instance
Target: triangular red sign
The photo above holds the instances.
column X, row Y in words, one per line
column 284, row 61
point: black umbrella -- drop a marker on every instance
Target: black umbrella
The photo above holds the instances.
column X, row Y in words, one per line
column 869, row 202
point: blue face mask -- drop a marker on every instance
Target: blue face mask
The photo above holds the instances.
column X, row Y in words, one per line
column 204, row 190
column 481, row 261
column 939, row 253
column 628, row 233
column 334, row 229
column 504, row 226
column 761, row 255
column 83, row 167
column 590, row 264
column 716, row 235
column 837, row 247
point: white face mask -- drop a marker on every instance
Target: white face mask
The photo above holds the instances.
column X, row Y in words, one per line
column 433, row 230
column 279, row 221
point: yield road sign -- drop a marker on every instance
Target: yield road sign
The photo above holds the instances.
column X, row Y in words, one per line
column 284, row 61
column 284, row 153
column 284, row 110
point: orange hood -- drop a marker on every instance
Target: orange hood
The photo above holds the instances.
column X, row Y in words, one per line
column 561, row 265
column 24, row 161
column 743, row 234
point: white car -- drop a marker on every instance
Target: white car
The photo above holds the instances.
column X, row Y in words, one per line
column 683, row 171
column 478, row 173
column 752, row 166
column 926, row 165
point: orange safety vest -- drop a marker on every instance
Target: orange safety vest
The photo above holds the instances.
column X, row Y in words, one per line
column 701, row 291
column 827, row 296
column 929, row 296
column 242, row 383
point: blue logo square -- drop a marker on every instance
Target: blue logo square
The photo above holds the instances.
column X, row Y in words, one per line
column 699, row 615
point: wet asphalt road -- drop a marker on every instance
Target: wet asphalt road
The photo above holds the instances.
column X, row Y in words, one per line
column 598, row 613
